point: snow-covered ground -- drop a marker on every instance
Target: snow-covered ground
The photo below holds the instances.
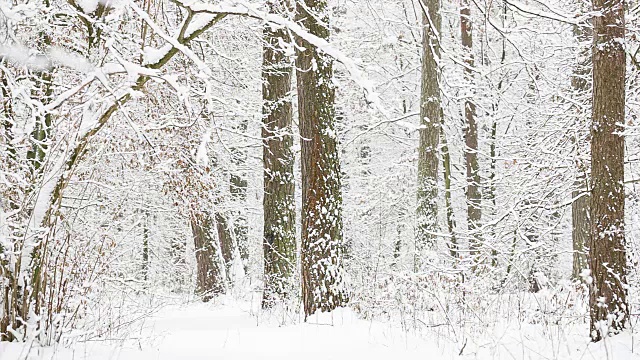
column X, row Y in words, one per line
column 231, row 329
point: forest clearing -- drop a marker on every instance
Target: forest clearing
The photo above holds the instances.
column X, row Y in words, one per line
column 232, row 329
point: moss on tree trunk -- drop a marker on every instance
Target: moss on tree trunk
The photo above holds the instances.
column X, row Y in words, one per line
column 321, row 245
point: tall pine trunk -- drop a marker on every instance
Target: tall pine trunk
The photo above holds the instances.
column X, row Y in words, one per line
column 430, row 120
column 607, row 253
column 321, row 246
column 279, row 237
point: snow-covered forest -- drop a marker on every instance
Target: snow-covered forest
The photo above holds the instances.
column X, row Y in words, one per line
column 331, row 179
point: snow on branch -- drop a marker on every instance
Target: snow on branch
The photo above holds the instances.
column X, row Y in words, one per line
column 175, row 42
column 552, row 14
column 201, row 17
column 246, row 9
column 22, row 55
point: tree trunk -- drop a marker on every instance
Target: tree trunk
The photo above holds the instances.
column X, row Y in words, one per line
column 607, row 253
column 580, row 206
column 41, row 132
column 145, row 247
column 239, row 193
column 491, row 196
column 580, row 227
column 36, row 155
column 240, row 224
column 210, row 272
column 491, row 189
column 321, row 245
column 430, row 120
column 474, row 210
column 225, row 241
column 451, row 224
column 9, row 203
column 279, row 239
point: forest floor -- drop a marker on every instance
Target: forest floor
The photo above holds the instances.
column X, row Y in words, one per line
column 231, row 329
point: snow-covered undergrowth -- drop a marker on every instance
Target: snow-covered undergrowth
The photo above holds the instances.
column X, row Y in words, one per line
column 232, row 328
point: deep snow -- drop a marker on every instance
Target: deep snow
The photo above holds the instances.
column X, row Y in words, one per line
column 228, row 329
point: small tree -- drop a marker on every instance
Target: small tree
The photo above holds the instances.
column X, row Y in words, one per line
column 430, row 122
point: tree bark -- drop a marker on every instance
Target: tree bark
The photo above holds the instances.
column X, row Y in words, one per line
column 9, row 203
column 321, row 245
column 491, row 189
column 240, row 224
column 279, row 237
column 474, row 210
column 607, row 253
column 42, row 130
column 145, row 247
column 580, row 229
column 451, row 224
column 430, row 120
column 238, row 189
column 210, row 271
column 225, row 241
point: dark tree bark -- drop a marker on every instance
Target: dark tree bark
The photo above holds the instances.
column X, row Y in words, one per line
column 607, row 253
column 34, row 292
column 9, row 201
column 451, row 223
column 474, row 210
column 210, row 271
column 227, row 239
column 145, row 247
column 491, row 188
column 42, row 130
column 430, row 120
column 321, row 245
column 279, row 237
column 226, row 243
